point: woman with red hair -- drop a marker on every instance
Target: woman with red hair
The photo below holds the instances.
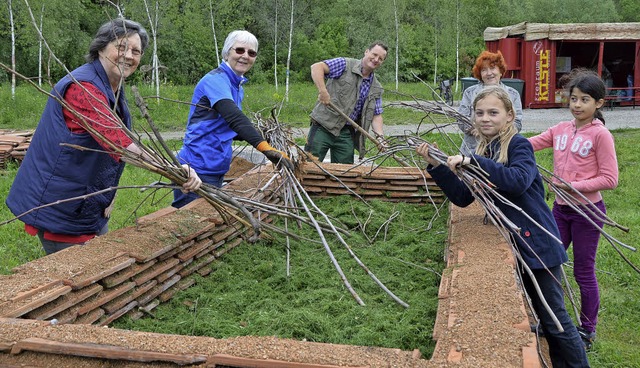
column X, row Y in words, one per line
column 488, row 69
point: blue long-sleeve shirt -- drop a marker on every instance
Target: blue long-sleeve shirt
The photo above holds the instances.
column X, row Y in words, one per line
column 520, row 182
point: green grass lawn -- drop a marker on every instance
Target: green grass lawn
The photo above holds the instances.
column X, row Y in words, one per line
column 171, row 110
column 249, row 292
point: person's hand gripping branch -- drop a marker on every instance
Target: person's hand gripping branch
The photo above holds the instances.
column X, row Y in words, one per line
column 382, row 144
column 193, row 182
column 279, row 158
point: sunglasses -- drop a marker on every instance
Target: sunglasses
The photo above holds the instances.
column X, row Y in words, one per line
column 241, row 50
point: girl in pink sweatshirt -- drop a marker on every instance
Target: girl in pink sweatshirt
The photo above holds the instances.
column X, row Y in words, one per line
column 584, row 156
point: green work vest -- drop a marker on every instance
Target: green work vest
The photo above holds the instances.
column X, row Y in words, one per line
column 344, row 94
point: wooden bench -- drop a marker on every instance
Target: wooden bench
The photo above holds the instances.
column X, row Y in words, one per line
column 615, row 97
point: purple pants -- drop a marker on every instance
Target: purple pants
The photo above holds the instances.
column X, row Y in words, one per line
column 574, row 228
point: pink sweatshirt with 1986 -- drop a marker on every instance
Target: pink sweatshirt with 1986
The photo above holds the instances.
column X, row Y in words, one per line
column 584, row 157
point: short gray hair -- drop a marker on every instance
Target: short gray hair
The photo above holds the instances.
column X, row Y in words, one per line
column 113, row 30
column 238, row 36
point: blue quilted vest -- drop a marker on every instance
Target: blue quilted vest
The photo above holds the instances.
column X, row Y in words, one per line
column 51, row 172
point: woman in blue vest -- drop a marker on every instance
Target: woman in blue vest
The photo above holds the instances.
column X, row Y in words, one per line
column 93, row 96
column 216, row 117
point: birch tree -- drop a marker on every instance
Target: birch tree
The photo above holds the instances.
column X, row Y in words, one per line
column 457, row 43
column 13, row 51
column 435, row 50
column 275, row 46
column 213, row 29
column 286, row 93
column 395, row 13
column 40, row 49
column 153, row 24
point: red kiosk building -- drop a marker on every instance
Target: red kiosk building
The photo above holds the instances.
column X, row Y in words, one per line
column 540, row 54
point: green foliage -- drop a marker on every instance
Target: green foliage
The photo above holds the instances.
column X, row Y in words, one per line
column 427, row 31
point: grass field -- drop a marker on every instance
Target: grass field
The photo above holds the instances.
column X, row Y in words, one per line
column 171, row 110
column 249, row 307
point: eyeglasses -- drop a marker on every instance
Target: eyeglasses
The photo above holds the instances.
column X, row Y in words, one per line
column 123, row 47
column 241, row 50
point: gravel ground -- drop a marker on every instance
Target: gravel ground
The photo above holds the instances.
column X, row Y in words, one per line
column 538, row 120
column 534, row 120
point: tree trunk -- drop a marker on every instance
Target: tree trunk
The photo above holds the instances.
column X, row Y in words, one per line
column 395, row 13
column 286, row 93
column 435, row 61
column 213, row 29
column 40, row 49
column 457, row 43
column 275, row 47
column 13, row 52
column 153, row 24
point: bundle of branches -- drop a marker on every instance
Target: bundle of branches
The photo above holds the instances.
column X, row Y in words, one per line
column 160, row 160
column 587, row 209
column 297, row 201
column 477, row 181
column 584, row 208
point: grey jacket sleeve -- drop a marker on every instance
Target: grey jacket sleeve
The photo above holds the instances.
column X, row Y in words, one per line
column 517, row 106
column 466, row 108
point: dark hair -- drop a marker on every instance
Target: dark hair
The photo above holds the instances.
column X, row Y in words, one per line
column 113, row 30
column 590, row 83
column 378, row 43
column 490, row 58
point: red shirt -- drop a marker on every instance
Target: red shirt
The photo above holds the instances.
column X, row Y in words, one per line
column 91, row 103
column 88, row 101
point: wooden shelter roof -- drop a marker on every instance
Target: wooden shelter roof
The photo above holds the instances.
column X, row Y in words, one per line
column 566, row 31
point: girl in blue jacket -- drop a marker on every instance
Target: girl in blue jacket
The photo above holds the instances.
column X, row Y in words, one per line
column 508, row 159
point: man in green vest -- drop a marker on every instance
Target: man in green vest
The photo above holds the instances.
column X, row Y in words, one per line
column 351, row 85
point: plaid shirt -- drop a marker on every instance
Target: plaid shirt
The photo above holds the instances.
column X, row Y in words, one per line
column 337, row 66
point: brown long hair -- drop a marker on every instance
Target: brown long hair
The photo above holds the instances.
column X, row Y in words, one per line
column 505, row 135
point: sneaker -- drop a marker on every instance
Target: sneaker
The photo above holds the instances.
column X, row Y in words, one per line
column 587, row 337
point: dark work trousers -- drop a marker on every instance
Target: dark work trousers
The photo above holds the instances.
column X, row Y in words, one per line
column 565, row 348
column 320, row 140
column 574, row 228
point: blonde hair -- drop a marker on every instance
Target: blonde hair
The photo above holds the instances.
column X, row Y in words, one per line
column 505, row 134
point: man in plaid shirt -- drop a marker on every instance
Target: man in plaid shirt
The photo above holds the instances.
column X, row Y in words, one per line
column 351, row 85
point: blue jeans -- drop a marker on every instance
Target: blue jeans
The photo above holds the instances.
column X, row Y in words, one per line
column 52, row 246
column 182, row 199
column 565, row 348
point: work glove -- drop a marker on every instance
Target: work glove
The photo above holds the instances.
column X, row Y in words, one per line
column 279, row 158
